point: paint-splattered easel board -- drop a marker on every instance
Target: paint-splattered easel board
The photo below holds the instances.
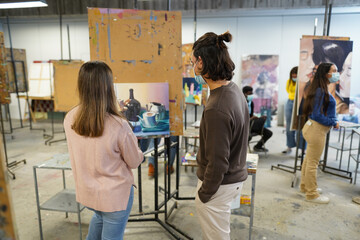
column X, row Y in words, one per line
column 4, row 86
column 21, row 71
column 186, row 56
column 7, row 229
column 141, row 47
column 65, row 84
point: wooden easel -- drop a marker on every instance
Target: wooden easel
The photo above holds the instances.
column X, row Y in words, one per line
column 6, row 211
column 30, row 98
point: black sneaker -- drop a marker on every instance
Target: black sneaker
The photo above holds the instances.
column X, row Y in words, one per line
column 260, row 149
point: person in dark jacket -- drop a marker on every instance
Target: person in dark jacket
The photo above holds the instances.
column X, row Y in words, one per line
column 257, row 123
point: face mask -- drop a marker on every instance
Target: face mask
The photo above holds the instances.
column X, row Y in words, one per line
column 198, row 78
column 294, row 79
column 250, row 98
column 334, row 77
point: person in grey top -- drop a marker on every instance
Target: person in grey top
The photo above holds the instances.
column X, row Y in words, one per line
column 224, row 132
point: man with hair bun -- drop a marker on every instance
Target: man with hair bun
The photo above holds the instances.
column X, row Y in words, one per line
column 224, row 132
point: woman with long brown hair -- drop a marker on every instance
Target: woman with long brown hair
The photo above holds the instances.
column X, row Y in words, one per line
column 320, row 107
column 103, row 150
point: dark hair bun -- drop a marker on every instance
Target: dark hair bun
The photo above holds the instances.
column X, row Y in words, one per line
column 225, row 37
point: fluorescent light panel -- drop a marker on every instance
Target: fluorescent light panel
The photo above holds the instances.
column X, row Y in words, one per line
column 23, row 4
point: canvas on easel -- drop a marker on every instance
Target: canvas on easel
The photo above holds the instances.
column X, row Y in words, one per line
column 4, row 86
column 141, row 47
column 146, row 107
column 41, row 79
column 21, row 69
column 261, row 73
column 65, row 84
column 186, row 56
column 319, row 49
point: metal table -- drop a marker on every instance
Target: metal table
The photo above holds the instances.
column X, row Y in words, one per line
column 339, row 146
column 63, row 201
column 252, row 162
column 355, row 156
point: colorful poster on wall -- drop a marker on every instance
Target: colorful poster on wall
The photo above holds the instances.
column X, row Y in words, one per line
column 192, row 91
column 4, row 87
column 21, row 70
column 141, row 46
column 261, row 73
column 314, row 51
column 146, row 106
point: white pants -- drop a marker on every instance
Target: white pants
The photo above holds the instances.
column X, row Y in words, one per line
column 214, row 216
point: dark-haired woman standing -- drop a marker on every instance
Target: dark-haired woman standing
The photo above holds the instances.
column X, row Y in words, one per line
column 320, row 107
column 103, row 150
column 224, row 131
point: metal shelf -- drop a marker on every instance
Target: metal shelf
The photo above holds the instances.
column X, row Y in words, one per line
column 63, row 201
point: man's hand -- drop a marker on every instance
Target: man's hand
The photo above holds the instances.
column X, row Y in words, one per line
column 337, row 125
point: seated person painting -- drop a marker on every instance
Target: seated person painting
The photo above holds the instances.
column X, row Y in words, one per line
column 256, row 123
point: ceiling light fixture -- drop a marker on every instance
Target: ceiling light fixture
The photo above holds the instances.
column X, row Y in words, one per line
column 22, row 4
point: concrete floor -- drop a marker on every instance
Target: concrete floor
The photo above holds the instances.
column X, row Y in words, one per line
column 280, row 213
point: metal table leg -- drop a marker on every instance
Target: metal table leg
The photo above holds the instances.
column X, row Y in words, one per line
column 252, row 203
column 79, row 220
column 38, row 203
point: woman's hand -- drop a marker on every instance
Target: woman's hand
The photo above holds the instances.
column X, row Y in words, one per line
column 337, row 125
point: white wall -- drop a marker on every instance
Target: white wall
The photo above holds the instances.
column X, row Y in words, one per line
column 254, row 32
column 41, row 39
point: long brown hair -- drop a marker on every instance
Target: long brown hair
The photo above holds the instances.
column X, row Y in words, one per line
column 97, row 98
column 217, row 64
column 320, row 81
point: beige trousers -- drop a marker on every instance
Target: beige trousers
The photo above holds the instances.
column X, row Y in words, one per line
column 315, row 134
column 214, row 216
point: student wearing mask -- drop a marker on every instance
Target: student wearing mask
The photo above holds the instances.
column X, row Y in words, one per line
column 291, row 134
column 224, row 130
column 320, row 107
column 256, row 123
column 103, row 149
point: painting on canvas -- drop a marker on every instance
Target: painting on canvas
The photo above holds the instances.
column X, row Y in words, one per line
column 186, row 56
column 20, row 69
column 261, row 73
column 316, row 51
column 146, row 106
column 4, row 86
column 192, row 91
column 141, row 46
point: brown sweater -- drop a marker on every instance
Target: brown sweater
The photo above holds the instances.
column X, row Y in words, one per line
column 224, row 131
